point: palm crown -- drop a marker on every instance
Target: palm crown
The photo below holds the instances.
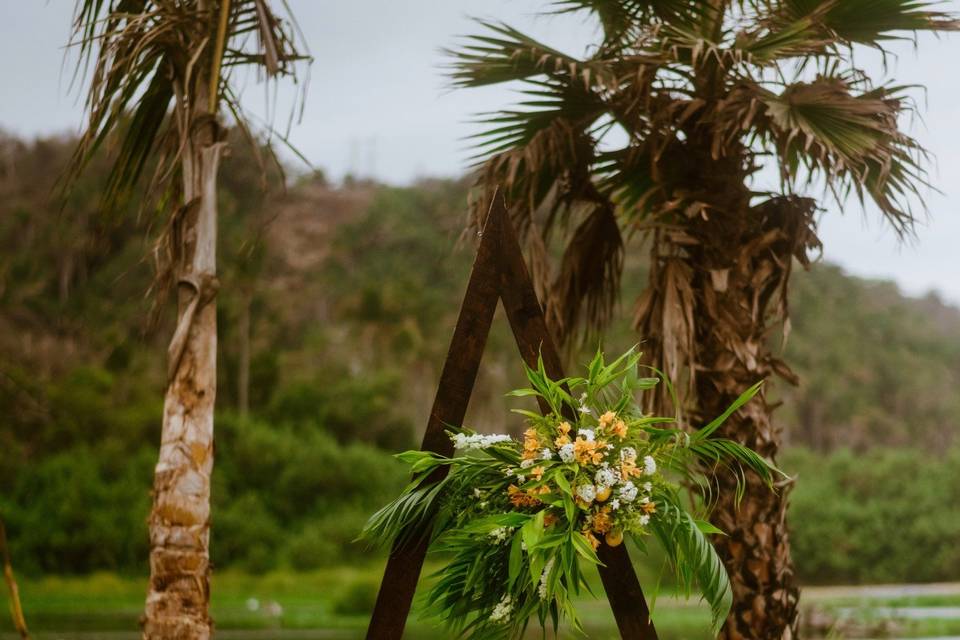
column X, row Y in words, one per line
column 147, row 55
column 720, row 87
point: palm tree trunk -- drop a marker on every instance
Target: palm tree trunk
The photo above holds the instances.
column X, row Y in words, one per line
column 706, row 317
column 743, row 266
column 178, row 598
column 756, row 549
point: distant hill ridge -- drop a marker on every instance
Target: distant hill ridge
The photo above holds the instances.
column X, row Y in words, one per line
column 368, row 277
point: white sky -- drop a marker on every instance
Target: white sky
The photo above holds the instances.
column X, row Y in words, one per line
column 378, row 106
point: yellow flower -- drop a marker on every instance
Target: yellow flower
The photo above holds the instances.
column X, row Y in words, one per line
column 619, row 429
column 562, row 440
column 537, row 472
column 628, row 469
column 614, row 537
column 592, row 539
column 607, row 419
column 531, row 444
column 586, row 452
column 628, row 466
column 649, row 507
column 602, row 521
column 521, row 498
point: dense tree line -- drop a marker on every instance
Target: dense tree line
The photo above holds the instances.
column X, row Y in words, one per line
column 350, row 296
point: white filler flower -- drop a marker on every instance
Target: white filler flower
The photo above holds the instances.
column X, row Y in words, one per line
column 628, row 492
column 500, row 534
column 503, row 609
column 587, row 492
column 606, row 477
column 566, row 453
column 477, row 441
column 649, row 465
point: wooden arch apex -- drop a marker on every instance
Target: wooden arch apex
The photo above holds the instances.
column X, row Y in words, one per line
column 499, row 273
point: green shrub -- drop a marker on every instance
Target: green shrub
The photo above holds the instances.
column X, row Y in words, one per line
column 882, row 516
column 357, row 599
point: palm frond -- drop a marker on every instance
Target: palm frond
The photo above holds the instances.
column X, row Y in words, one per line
column 694, row 559
column 620, row 19
column 871, row 22
column 503, row 54
column 849, row 138
column 145, row 56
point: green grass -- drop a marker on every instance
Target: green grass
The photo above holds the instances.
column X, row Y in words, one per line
column 335, row 602
column 327, row 599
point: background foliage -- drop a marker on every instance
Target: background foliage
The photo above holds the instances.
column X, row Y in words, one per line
column 351, row 294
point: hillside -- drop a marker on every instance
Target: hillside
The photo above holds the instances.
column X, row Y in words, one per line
column 335, row 311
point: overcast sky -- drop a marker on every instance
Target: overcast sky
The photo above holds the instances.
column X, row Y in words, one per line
column 377, row 105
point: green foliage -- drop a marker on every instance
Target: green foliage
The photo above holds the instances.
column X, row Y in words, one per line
column 85, row 508
column 334, row 378
column 886, row 516
column 517, row 522
column 357, row 598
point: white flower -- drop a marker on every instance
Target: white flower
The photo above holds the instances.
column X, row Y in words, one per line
column 526, row 464
column 606, row 477
column 503, row 609
column 509, row 471
column 645, row 500
column 648, row 486
column 546, row 454
column 628, row 492
column 628, row 453
column 583, row 404
column 500, row 534
column 587, row 434
column 587, row 492
column 476, row 493
column 644, row 519
column 542, row 589
column 477, row 441
column 566, row 452
column 521, row 479
column 615, row 504
column 649, row 465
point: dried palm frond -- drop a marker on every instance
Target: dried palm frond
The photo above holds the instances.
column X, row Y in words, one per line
column 160, row 71
column 675, row 78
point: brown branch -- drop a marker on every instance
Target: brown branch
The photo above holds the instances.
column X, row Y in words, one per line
column 15, row 609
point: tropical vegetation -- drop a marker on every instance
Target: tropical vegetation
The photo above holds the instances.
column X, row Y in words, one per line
column 662, row 129
column 345, row 273
column 161, row 79
column 517, row 519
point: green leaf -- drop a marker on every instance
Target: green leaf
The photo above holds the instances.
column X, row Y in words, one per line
column 515, row 563
column 744, row 398
column 708, row 528
column 584, row 548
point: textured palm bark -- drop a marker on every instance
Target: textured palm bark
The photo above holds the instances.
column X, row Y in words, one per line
column 739, row 295
column 177, row 604
column 756, row 550
column 718, row 283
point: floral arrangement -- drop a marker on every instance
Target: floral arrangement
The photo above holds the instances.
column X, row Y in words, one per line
column 517, row 519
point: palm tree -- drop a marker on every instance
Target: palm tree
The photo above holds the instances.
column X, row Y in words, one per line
column 161, row 78
column 659, row 132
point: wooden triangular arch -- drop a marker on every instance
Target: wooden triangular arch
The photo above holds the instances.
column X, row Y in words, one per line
column 499, row 273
